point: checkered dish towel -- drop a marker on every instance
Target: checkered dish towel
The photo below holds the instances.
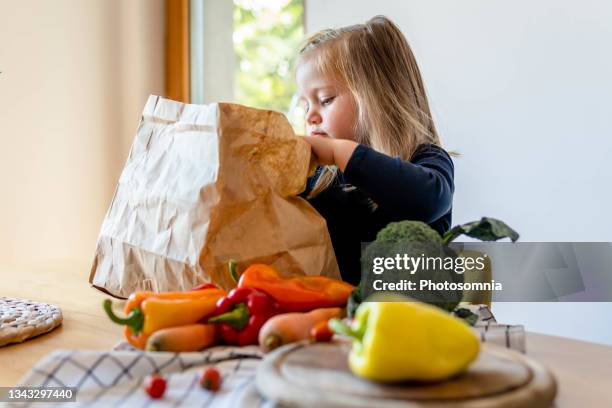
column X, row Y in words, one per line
column 114, row 378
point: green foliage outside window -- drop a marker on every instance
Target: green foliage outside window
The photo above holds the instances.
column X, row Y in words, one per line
column 267, row 34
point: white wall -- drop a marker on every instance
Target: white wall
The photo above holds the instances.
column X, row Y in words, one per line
column 75, row 76
column 523, row 90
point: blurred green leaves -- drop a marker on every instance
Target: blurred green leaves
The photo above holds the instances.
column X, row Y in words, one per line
column 267, row 34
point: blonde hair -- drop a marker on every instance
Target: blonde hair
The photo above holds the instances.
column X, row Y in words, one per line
column 375, row 63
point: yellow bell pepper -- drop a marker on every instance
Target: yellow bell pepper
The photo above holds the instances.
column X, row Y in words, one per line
column 148, row 312
column 405, row 340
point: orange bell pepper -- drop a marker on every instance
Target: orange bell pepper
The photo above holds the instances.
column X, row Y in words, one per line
column 299, row 294
column 147, row 312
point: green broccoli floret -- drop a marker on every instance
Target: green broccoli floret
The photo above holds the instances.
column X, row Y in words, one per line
column 417, row 240
column 408, row 231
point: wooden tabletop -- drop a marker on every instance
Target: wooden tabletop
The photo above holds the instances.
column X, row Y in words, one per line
column 583, row 370
column 62, row 283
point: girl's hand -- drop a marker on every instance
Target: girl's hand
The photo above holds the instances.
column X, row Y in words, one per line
column 331, row 151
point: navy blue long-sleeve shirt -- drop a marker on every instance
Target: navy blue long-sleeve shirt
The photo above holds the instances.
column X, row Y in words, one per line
column 376, row 189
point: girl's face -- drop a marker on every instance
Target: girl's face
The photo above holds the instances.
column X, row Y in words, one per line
column 330, row 109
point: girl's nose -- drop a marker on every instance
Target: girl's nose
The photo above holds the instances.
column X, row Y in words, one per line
column 313, row 118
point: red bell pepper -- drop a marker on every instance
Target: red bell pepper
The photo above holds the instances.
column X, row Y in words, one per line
column 241, row 313
column 297, row 294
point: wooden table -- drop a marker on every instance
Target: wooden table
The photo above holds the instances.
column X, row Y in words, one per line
column 63, row 283
column 583, row 370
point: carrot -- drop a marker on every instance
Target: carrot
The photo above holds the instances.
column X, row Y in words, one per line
column 192, row 337
column 291, row 327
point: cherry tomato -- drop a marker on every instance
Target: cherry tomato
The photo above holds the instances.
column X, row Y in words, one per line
column 155, row 386
column 210, row 379
column 321, row 332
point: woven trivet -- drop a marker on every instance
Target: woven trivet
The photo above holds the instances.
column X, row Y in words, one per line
column 22, row 319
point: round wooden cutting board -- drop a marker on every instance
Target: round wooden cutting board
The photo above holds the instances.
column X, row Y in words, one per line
column 317, row 374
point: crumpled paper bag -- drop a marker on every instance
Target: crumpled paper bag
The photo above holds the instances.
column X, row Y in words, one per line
column 204, row 184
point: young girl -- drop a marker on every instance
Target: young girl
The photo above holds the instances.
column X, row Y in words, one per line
column 370, row 128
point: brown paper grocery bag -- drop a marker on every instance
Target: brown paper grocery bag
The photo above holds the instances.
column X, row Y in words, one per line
column 204, row 184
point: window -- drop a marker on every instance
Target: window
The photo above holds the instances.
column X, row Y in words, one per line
column 266, row 37
column 244, row 51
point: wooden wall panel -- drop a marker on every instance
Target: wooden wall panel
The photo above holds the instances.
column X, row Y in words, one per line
column 177, row 50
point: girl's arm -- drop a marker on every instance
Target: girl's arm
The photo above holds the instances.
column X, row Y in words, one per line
column 419, row 189
column 331, row 151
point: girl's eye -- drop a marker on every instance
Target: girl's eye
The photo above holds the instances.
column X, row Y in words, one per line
column 327, row 101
